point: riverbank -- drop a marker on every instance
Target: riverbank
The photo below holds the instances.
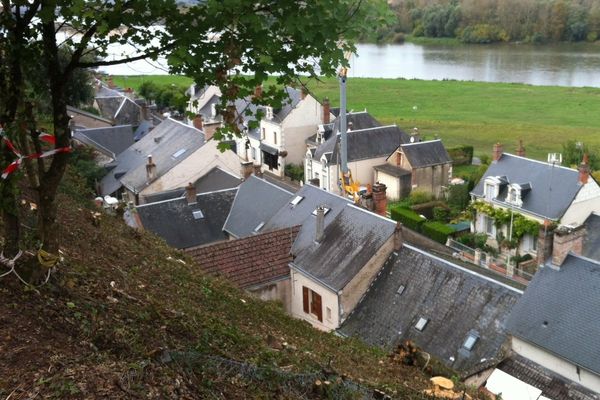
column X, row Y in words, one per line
column 461, row 112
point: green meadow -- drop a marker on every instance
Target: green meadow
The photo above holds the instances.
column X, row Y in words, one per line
column 460, row 112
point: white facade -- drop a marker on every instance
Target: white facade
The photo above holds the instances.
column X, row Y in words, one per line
column 329, row 302
column 556, row 364
column 586, row 202
column 287, row 137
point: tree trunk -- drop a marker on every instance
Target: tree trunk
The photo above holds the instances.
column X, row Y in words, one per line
column 10, row 219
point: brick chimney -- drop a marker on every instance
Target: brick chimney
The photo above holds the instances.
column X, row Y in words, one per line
column 398, row 237
column 545, row 241
column 567, row 240
column 144, row 112
column 521, row 149
column 258, row 91
column 584, row 170
column 303, row 92
column 247, row 168
column 320, row 224
column 190, row 193
column 198, row 122
column 379, row 199
column 497, row 152
column 257, row 170
column 326, row 111
column 150, row 169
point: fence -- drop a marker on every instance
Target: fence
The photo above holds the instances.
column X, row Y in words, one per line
column 497, row 264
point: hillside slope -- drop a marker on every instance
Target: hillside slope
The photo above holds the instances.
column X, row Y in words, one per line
column 125, row 316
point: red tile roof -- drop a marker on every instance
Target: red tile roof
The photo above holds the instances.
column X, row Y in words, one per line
column 249, row 261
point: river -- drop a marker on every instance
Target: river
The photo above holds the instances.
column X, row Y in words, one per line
column 556, row 64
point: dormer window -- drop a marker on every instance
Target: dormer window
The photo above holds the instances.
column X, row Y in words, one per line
column 491, row 186
column 269, row 113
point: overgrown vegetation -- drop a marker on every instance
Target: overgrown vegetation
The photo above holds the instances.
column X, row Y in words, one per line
column 165, row 96
column 295, row 172
column 489, row 21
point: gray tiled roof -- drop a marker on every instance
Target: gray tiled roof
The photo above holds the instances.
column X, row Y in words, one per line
column 129, row 112
column 392, row 170
column 173, row 220
column 365, row 144
column 301, row 214
column 552, row 385
column 162, row 142
column 350, row 241
column 359, row 120
column 456, row 302
column 110, row 141
column 591, row 241
column 73, row 110
column 425, row 154
column 559, row 312
column 214, row 180
column 256, row 202
column 109, row 105
column 553, row 189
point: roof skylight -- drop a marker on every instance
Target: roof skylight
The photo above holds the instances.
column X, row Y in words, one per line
column 421, row 323
column 296, row 200
column 400, row 290
column 259, row 226
column 470, row 341
column 178, row 153
column 325, row 211
column 198, row 214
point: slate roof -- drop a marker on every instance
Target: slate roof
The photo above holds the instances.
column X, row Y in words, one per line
column 392, row 170
column 553, row 189
column 456, row 302
column 256, row 202
column 426, row 154
column 214, row 180
column 109, row 105
column 173, row 220
column 365, row 144
column 251, row 261
column 110, row 141
column 559, row 312
column 350, row 241
column 552, row 385
column 162, row 142
column 591, row 240
column 73, row 111
column 129, row 112
column 301, row 214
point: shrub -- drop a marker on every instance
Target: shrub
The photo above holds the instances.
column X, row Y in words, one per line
column 483, row 33
column 458, row 196
column 485, row 159
column 441, row 214
column 295, row 172
column 461, row 155
column 420, row 197
column 436, row 231
column 592, row 37
column 473, row 240
column 409, row 218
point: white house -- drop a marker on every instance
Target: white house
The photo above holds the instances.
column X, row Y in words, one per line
column 369, row 145
column 539, row 191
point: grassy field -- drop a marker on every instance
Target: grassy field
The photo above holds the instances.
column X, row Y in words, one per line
column 473, row 113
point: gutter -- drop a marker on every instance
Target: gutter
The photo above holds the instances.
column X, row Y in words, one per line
column 311, row 276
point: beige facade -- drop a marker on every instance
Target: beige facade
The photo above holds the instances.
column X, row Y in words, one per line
column 556, row 364
column 274, row 291
column 195, row 166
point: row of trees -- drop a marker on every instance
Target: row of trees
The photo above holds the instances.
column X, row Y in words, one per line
column 483, row 21
column 213, row 42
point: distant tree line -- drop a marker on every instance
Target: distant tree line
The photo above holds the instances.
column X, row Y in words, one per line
column 487, row 21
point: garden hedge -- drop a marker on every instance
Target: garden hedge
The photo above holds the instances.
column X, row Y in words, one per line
column 436, row 231
column 409, row 218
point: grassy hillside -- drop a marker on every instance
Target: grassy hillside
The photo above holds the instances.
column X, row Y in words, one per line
column 471, row 112
column 125, row 316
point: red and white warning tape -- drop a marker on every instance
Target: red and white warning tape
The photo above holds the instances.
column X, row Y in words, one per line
column 45, row 137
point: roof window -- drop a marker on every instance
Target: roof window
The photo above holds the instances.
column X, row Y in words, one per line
column 470, row 341
column 421, row 323
column 198, row 214
column 178, row 153
column 400, row 290
column 259, row 226
column 296, row 200
column 325, row 211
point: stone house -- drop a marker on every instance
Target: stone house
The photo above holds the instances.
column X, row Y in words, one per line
column 424, row 166
column 369, row 144
column 545, row 193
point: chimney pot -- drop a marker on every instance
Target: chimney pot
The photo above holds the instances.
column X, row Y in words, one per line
column 398, row 237
column 326, row 111
column 521, row 149
column 247, row 168
column 198, row 122
column 584, row 170
column 257, row 170
column 190, row 193
column 497, row 152
column 380, row 199
column 320, row 224
column 150, row 169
